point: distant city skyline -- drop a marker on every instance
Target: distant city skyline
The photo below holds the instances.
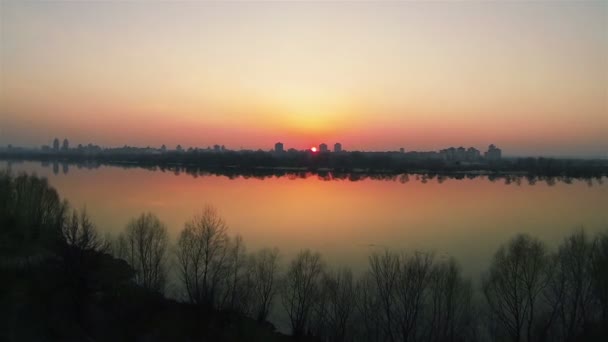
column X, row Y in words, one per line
column 529, row 76
column 470, row 152
column 277, row 147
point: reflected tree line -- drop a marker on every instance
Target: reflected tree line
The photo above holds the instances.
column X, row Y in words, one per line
column 529, row 292
column 344, row 162
column 530, row 177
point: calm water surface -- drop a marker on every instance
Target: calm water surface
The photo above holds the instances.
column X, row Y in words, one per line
column 344, row 220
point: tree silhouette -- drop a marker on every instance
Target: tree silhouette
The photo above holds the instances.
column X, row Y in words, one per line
column 518, row 276
column 600, row 275
column 202, row 255
column 301, row 289
column 80, row 233
column 450, row 312
column 144, row 245
column 236, row 291
column 31, row 214
column 369, row 317
column 264, row 281
column 384, row 272
column 411, row 290
column 336, row 305
column 400, row 283
column 571, row 287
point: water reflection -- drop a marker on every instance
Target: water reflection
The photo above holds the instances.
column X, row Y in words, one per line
column 293, row 174
column 344, row 216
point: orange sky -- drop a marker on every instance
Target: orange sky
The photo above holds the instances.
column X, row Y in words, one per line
column 531, row 77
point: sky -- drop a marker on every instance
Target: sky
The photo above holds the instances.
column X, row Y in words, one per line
column 528, row 76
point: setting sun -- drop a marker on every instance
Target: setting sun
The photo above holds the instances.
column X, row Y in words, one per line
column 313, row 149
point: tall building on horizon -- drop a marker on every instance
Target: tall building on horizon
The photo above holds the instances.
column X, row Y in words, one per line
column 323, row 148
column 278, row 147
column 66, row 144
column 493, row 153
column 473, row 154
column 461, row 153
column 337, row 147
column 56, row 144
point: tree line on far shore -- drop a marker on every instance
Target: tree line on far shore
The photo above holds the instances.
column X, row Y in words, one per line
column 255, row 162
column 529, row 293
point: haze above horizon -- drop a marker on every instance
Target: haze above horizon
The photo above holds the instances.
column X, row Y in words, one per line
column 531, row 77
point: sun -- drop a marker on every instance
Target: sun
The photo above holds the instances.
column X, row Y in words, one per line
column 313, row 149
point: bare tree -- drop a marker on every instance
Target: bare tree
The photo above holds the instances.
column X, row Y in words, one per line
column 301, row 288
column 384, row 271
column 202, row 252
column 519, row 274
column 412, row 284
column 401, row 283
column 450, row 304
column 34, row 208
column 235, row 287
column 80, row 250
column 264, row 281
column 318, row 323
column 600, row 274
column 338, row 290
column 369, row 314
column 143, row 245
column 79, row 232
column 571, row 287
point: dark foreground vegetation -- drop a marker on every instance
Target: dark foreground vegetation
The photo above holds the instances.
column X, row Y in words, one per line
column 61, row 280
